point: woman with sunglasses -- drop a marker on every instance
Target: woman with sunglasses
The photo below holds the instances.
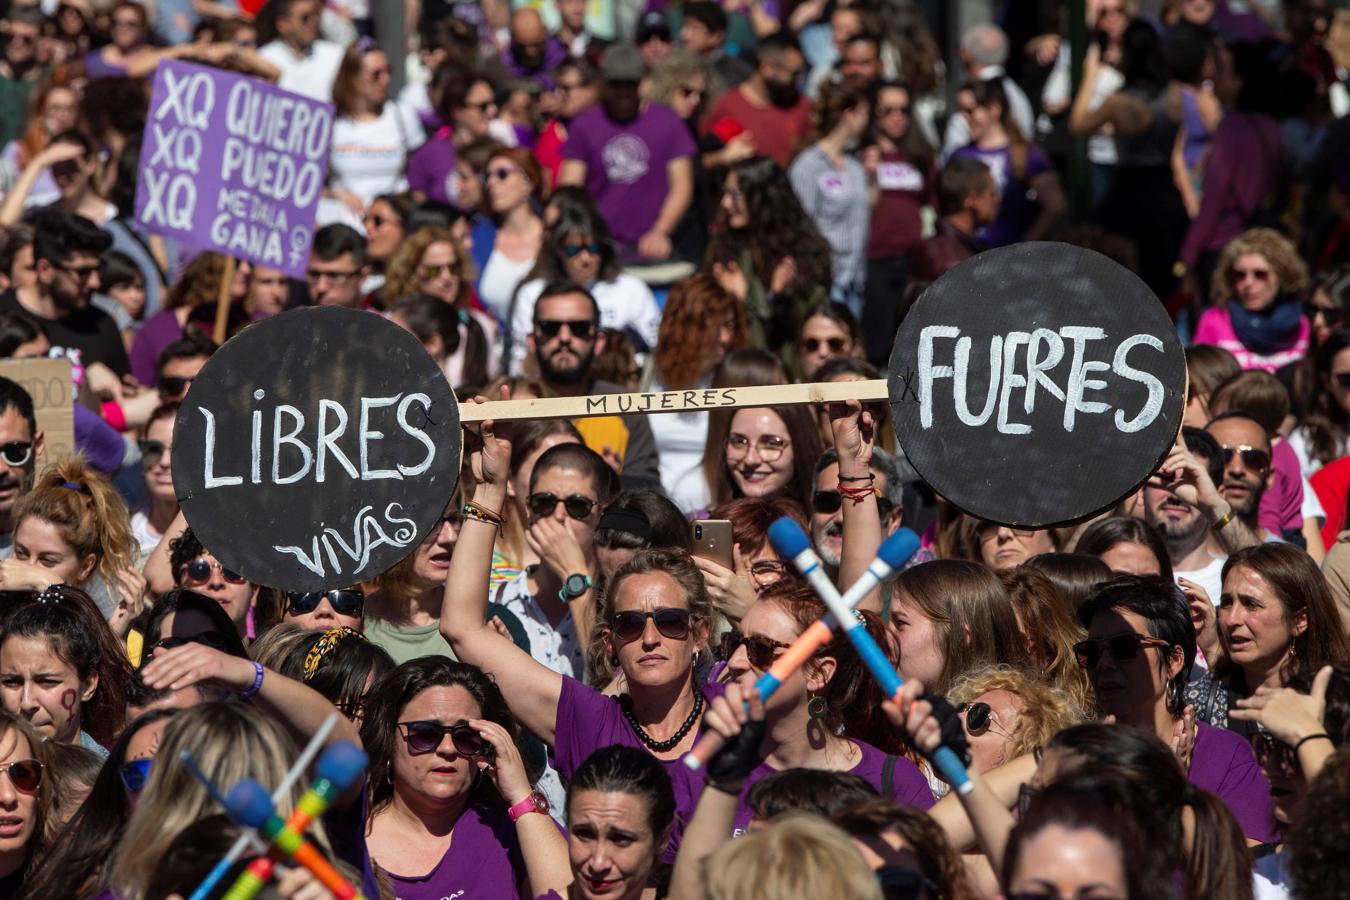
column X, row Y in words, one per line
column 1139, row 653
column 452, row 809
column 1007, row 713
column 1258, row 287
column 829, row 330
column 579, row 249
column 28, row 800
column 197, row 569
column 73, row 865
column 467, row 105
column 514, row 198
column 657, row 618
column 1276, row 619
column 322, row 610
column 1001, row 547
column 150, row 523
column 1323, row 435
column 386, row 222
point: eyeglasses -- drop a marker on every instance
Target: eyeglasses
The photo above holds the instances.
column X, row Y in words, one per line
column 198, row 572
column 152, row 451
column 206, row 639
column 980, row 719
column 670, row 621
column 1122, row 647
column 594, row 248
column 1240, row 275
column 317, row 275
column 689, row 93
column 733, row 193
column 430, row 271
column 348, row 602
column 500, row 173
column 378, row 221
column 16, row 453
column 24, row 774
column 175, row 384
column 768, row 571
column 827, row 503
column 885, row 111
column 770, row 448
column 135, row 774
column 548, row 329
column 899, row 883
column 577, row 506
column 1253, row 458
column 481, row 107
column 379, row 74
column 759, row 650
column 834, row 344
column 425, row 735
column 1330, row 314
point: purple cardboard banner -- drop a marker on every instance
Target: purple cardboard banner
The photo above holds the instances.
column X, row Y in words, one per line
column 233, row 164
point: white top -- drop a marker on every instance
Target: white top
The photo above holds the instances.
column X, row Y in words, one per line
column 625, row 303
column 680, row 441
column 1101, row 145
column 454, row 363
column 958, row 132
column 145, row 534
column 1270, row 878
column 500, row 278
column 311, row 74
column 1299, row 441
column 557, row 648
column 1210, row 577
column 368, row 158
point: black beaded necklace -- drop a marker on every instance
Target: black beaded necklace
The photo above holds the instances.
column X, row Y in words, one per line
column 626, row 704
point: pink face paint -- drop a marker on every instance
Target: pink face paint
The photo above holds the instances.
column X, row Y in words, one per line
column 68, row 700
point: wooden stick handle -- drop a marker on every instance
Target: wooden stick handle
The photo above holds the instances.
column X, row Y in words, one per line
column 674, row 401
column 223, row 301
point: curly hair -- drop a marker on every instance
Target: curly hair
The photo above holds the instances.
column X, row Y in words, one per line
column 676, row 70
column 401, row 277
column 1046, row 710
column 81, row 503
column 1318, row 839
column 200, row 282
column 1290, row 270
column 937, row 860
column 694, row 312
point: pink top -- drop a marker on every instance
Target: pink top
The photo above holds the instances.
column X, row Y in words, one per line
column 1216, row 327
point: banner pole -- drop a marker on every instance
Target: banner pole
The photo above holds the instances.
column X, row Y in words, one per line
column 223, row 301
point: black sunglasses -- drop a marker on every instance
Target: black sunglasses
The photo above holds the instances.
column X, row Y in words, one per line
column 348, row 602
column 834, row 344
column 545, row 502
column 759, row 650
column 198, row 573
column 151, row 450
column 425, row 735
column 175, row 384
column 1025, row 794
column 827, row 503
column 1342, row 379
column 900, row 883
column 581, row 329
column 977, row 717
column 670, row 622
column 1253, row 458
column 16, row 453
column 1330, row 314
column 1122, row 647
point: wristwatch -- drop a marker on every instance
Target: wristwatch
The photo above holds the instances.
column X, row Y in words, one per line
column 574, row 586
column 534, row 802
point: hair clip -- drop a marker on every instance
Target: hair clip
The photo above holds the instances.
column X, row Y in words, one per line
column 331, row 638
column 72, row 486
column 50, row 594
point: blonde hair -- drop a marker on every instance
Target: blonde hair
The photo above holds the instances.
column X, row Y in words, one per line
column 798, row 857
column 81, row 503
column 1046, row 710
column 230, row 741
column 1277, row 249
column 272, row 648
column 49, row 824
column 401, row 274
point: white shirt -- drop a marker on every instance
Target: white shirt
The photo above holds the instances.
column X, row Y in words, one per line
column 557, row 646
column 368, row 158
column 625, row 303
column 311, row 74
column 680, row 441
column 1270, row 878
column 500, row 278
column 144, row 533
column 1210, row 577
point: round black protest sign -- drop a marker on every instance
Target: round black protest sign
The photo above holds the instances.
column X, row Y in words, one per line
column 1036, row 384
column 316, row 449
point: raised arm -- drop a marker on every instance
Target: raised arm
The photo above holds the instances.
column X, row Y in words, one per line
column 158, row 571
column 854, row 435
column 531, row 688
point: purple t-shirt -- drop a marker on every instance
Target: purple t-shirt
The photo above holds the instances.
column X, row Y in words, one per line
column 484, row 860
column 156, row 333
column 908, row 786
column 626, row 164
column 1224, row 765
column 1015, row 212
column 431, row 169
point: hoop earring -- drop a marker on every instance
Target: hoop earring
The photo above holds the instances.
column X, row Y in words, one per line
column 817, row 707
column 614, row 660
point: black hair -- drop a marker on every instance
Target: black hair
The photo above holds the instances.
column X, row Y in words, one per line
column 775, row 45
column 807, row 790
column 13, row 240
column 1159, row 602
column 78, row 138
column 12, row 394
column 563, row 288
column 390, row 696
column 575, row 219
column 341, row 674
column 454, row 86
column 332, row 241
column 961, row 177
column 1103, row 534
column 627, row 770
column 1142, row 60
column 58, row 235
column 582, row 458
column 1076, row 575
column 190, row 346
column 1186, row 50
column 426, row 316
column 666, row 526
column 184, row 600
column 1201, row 443
column 708, row 14
column 116, row 269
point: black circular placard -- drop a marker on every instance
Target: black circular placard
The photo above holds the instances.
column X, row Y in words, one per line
column 316, row 449
column 1082, row 402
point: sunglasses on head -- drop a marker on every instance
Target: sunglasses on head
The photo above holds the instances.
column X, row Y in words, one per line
column 206, row 639
column 24, row 774
column 571, row 251
column 813, row 345
column 548, row 329
column 1122, row 647
column 135, row 774
column 577, row 506
column 16, row 453
column 175, row 384
column 670, row 622
column 346, row 602
column 827, row 503
column 1253, row 458
column 425, row 735
column 198, row 573
column 759, row 650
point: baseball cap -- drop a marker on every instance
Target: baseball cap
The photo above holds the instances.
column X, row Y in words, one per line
column 623, row 62
column 652, row 24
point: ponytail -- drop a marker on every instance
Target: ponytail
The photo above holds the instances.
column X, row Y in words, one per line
column 1218, row 863
column 86, row 509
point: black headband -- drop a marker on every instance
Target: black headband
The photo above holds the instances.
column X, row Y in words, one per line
column 627, row 519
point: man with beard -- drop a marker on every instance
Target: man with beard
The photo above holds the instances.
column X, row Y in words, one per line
column 635, row 158
column 565, row 341
column 768, row 105
column 827, row 505
column 1247, row 471
column 1182, row 502
column 21, row 447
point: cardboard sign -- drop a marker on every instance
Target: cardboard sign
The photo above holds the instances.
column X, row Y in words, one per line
column 48, row 382
column 1037, row 384
column 316, row 449
column 233, row 164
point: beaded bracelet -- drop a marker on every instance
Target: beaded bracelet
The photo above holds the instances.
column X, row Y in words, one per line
column 257, row 683
column 481, row 513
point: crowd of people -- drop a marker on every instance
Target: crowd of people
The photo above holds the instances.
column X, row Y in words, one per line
column 571, row 198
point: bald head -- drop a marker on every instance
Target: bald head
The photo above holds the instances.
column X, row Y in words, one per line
column 983, row 46
column 527, row 26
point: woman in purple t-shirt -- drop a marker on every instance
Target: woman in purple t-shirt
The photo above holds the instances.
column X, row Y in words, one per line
column 1138, row 655
column 452, row 810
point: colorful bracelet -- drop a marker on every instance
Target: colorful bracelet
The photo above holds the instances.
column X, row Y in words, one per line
column 257, row 683
column 481, row 513
column 857, row 494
